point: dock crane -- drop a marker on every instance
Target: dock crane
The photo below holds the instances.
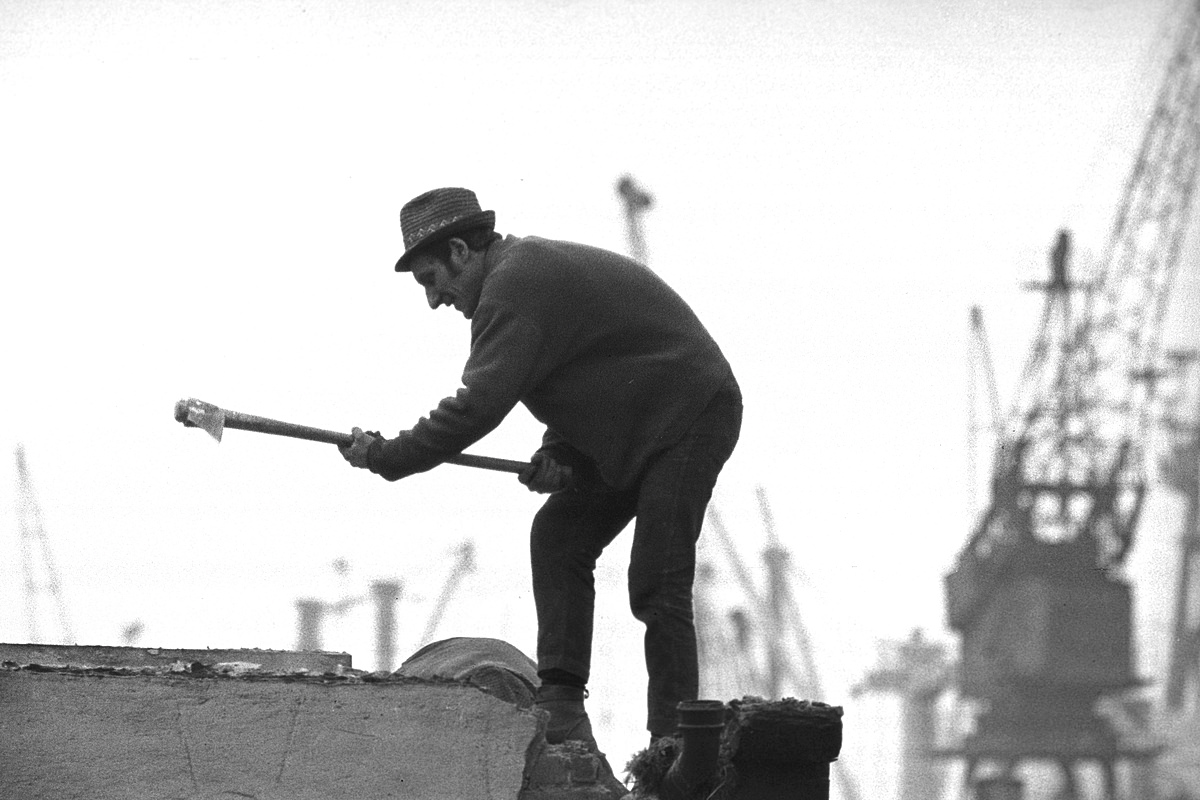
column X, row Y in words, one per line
column 37, row 562
column 1036, row 594
column 769, row 648
column 383, row 595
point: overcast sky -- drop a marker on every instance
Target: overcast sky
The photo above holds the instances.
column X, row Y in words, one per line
column 201, row 199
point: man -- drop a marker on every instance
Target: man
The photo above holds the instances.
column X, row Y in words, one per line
column 642, row 411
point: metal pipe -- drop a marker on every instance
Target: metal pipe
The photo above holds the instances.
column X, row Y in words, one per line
column 385, row 593
column 310, row 614
column 701, row 723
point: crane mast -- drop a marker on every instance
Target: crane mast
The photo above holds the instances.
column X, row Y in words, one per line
column 1036, row 595
column 769, row 649
column 1071, row 468
column 37, row 560
column 1181, row 467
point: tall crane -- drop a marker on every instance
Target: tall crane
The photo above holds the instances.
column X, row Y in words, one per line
column 383, row 595
column 37, row 562
column 1036, row 593
column 769, row 643
column 766, row 636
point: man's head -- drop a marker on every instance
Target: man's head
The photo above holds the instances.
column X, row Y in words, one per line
column 451, row 270
column 446, row 236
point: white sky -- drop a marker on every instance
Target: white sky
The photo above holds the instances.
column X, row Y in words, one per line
column 201, row 199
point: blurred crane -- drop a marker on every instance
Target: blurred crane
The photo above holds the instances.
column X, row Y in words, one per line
column 37, row 563
column 919, row 672
column 981, row 377
column 916, row 671
column 636, row 201
column 1036, row 593
column 766, row 638
column 464, row 565
column 383, row 595
column 764, row 651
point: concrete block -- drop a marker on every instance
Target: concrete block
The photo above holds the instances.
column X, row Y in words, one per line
column 126, row 735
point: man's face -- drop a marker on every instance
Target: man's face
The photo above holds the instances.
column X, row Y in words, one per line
column 443, row 284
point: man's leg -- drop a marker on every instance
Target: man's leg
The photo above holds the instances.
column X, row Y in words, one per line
column 674, row 493
column 569, row 533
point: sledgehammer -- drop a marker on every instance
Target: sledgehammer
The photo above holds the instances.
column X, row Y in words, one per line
column 195, row 413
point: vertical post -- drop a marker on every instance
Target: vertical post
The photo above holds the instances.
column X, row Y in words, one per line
column 775, row 558
column 384, row 594
column 310, row 614
column 636, row 201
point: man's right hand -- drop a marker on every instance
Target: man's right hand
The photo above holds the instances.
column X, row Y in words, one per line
column 356, row 451
column 545, row 475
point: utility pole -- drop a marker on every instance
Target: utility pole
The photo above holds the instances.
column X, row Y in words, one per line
column 384, row 596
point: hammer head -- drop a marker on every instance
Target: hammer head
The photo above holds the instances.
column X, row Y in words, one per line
column 195, row 413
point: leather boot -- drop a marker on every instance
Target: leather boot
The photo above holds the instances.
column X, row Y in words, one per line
column 568, row 719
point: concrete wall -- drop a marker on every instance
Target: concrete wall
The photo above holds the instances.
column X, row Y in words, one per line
column 207, row 725
column 87, row 734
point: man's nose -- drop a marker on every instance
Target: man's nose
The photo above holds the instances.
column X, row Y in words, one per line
column 433, row 298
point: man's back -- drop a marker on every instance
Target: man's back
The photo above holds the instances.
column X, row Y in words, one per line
column 612, row 359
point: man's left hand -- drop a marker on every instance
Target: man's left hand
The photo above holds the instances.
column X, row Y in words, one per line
column 356, row 451
column 545, row 475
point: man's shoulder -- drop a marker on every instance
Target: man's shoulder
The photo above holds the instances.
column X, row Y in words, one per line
column 536, row 251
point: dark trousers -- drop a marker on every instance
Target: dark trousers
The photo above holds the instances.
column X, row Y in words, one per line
column 574, row 526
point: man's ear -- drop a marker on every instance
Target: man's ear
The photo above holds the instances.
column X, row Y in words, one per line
column 459, row 254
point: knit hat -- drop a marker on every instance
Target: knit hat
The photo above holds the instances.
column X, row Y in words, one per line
column 439, row 214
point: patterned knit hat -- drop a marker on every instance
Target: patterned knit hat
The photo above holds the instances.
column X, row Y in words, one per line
column 438, row 214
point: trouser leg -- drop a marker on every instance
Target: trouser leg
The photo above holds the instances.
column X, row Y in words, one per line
column 569, row 533
column 672, row 498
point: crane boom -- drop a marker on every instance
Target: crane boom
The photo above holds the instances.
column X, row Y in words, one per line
column 1036, row 593
column 1070, row 467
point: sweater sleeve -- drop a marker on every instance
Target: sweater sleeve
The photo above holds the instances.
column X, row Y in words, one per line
column 499, row 370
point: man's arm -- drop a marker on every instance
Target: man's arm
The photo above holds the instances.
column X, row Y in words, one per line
column 500, row 370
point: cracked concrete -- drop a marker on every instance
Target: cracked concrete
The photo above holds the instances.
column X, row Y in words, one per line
column 126, row 733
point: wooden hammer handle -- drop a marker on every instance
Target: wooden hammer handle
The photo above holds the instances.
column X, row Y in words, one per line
column 248, row 422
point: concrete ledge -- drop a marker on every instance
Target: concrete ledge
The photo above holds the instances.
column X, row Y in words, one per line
column 86, row 656
column 97, row 734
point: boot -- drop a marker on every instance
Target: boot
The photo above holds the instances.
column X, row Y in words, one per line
column 568, row 719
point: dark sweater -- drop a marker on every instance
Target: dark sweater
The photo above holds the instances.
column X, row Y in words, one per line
column 597, row 347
